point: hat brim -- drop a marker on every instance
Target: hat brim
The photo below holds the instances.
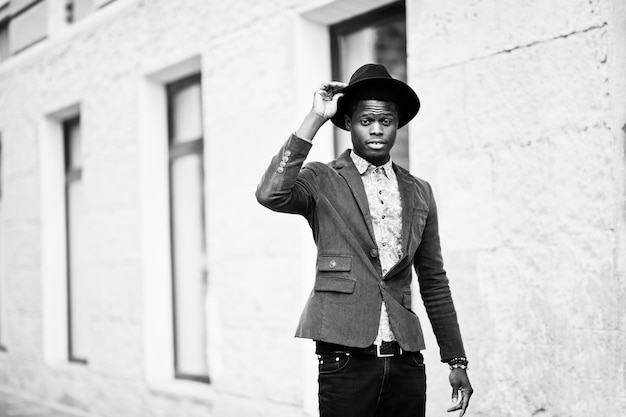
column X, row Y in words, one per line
column 406, row 99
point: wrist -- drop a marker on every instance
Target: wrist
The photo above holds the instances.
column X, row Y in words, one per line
column 458, row 363
column 310, row 125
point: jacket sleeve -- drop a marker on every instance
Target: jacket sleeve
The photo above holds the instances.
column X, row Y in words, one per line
column 435, row 290
column 286, row 186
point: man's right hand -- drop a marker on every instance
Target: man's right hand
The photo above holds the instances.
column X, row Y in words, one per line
column 324, row 107
column 326, row 97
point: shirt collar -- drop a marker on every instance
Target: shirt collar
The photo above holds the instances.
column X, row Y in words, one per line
column 362, row 165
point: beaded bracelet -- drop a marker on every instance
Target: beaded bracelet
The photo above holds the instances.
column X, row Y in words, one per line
column 458, row 363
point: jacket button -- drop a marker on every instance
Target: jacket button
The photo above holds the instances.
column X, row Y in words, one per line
column 280, row 170
column 382, row 284
column 287, row 152
column 282, row 164
column 332, row 264
column 373, row 253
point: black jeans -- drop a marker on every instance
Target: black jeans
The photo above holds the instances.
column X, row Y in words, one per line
column 353, row 385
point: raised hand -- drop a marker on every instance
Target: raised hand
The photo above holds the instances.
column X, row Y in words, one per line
column 326, row 97
column 324, row 107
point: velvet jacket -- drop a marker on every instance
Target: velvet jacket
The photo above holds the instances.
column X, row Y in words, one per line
column 344, row 305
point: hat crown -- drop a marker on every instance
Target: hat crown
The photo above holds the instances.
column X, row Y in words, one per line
column 373, row 82
column 369, row 71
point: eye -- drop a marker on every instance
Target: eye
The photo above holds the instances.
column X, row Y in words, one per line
column 365, row 122
column 386, row 122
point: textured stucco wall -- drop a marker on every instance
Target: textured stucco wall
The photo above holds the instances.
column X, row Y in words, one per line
column 101, row 63
column 520, row 134
column 520, row 138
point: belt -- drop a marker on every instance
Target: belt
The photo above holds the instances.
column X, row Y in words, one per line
column 384, row 350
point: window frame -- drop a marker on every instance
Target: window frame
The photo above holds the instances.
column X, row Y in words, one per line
column 381, row 15
column 70, row 176
column 3, row 347
column 377, row 17
column 175, row 151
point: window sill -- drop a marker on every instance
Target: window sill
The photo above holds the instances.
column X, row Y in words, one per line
column 178, row 389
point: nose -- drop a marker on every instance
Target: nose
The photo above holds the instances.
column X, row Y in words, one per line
column 376, row 129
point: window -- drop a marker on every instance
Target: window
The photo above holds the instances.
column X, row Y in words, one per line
column 23, row 23
column 4, row 40
column 378, row 36
column 187, row 225
column 75, row 241
column 77, row 9
column 2, row 284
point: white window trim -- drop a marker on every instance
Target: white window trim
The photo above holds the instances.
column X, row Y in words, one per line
column 3, row 270
column 53, row 231
column 156, row 244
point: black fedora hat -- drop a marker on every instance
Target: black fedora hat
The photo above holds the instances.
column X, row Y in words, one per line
column 373, row 82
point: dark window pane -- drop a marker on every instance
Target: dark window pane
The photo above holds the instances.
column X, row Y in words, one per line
column 73, row 156
column 186, row 113
column 78, row 9
column 4, row 41
column 378, row 37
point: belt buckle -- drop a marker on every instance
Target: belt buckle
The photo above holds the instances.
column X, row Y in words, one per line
column 386, row 355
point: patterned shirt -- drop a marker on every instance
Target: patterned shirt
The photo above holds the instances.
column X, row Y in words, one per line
column 385, row 204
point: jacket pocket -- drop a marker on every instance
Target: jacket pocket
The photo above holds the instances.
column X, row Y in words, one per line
column 333, row 283
column 333, row 274
column 334, row 263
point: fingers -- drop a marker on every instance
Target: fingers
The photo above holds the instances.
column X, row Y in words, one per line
column 330, row 89
column 455, row 398
column 465, row 398
column 336, row 97
column 333, row 85
column 454, row 407
column 466, row 393
column 326, row 98
column 455, row 393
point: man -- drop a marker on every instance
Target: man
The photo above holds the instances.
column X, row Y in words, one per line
column 372, row 222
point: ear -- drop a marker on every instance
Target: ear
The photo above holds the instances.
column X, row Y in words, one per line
column 347, row 122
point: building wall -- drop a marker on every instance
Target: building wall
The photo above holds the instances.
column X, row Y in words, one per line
column 520, row 134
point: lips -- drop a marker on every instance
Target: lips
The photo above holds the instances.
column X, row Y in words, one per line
column 376, row 144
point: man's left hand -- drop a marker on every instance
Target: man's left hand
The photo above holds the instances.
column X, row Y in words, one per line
column 460, row 382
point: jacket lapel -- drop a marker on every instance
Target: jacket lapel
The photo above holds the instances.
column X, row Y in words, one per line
column 345, row 168
column 408, row 194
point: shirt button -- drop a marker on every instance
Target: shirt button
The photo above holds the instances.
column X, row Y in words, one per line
column 332, row 264
column 384, row 271
column 380, row 191
column 373, row 253
column 280, row 170
column 383, row 216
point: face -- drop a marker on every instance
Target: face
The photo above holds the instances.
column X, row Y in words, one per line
column 373, row 128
